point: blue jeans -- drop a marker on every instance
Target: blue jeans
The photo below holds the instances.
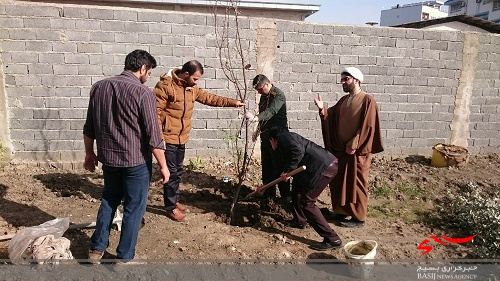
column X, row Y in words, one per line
column 175, row 162
column 131, row 185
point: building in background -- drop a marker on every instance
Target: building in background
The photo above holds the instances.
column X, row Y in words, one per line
column 414, row 12
column 483, row 9
column 296, row 10
column 456, row 23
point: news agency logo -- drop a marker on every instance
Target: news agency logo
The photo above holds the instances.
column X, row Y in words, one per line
column 427, row 248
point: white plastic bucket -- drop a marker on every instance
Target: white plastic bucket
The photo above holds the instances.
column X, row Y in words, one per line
column 360, row 250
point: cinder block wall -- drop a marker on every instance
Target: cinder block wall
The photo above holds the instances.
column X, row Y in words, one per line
column 431, row 86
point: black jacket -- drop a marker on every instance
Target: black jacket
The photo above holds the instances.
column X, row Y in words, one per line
column 298, row 151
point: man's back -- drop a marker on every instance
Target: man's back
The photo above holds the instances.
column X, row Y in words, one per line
column 121, row 109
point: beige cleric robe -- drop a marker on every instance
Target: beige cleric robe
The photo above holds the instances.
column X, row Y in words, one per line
column 354, row 124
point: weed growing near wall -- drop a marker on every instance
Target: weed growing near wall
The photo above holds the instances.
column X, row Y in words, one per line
column 478, row 214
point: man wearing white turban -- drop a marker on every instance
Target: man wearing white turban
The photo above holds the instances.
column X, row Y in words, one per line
column 351, row 132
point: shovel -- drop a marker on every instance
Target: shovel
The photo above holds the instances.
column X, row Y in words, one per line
column 266, row 186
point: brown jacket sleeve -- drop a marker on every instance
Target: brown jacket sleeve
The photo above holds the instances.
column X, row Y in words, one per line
column 161, row 102
column 207, row 98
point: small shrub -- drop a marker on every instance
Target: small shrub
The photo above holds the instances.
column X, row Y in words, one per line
column 477, row 215
column 195, row 164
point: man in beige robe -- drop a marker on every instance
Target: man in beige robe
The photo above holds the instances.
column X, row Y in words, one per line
column 351, row 132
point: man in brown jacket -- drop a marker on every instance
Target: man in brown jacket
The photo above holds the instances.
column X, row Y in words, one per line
column 175, row 97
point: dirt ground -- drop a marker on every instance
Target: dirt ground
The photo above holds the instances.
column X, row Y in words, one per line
column 404, row 194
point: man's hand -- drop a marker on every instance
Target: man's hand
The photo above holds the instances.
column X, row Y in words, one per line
column 284, row 177
column 165, row 173
column 90, row 162
column 251, row 117
column 240, row 103
column 318, row 102
column 349, row 150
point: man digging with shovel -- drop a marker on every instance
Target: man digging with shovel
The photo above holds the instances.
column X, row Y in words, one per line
column 307, row 185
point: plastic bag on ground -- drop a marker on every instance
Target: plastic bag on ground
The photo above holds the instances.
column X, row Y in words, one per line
column 27, row 236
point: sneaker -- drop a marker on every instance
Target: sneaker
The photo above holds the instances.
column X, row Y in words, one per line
column 182, row 208
column 95, row 256
column 352, row 223
column 323, row 246
column 176, row 215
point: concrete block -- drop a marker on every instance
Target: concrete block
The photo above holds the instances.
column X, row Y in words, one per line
column 386, row 42
column 75, row 12
column 125, row 15
column 22, row 135
column 101, row 14
column 40, row 69
column 414, row 34
column 76, row 35
column 36, row 23
column 439, row 45
column 57, row 102
column 73, row 113
column 76, row 124
column 344, row 30
column 8, row 23
column 153, row 39
column 88, row 25
column 63, row 47
column 149, row 17
column 89, row 47
column 126, row 37
column 404, row 43
column 46, row 135
column 22, row 34
column 99, row 36
column 71, row 135
column 76, row 58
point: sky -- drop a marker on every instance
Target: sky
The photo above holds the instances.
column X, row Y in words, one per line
column 353, row 11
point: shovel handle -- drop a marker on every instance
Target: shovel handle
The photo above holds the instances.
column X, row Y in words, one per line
column 266, row 186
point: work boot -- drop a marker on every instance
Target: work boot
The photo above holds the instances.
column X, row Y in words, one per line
column 95, row 256
column 325, row 245
column 122, row 265
column 176, row 215
column 182, row 208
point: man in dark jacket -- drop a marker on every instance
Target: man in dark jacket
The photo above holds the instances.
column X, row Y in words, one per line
column 272, row 113
column 321, row 168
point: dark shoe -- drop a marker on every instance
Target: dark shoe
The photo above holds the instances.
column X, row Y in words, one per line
column 323, row 246
column 285, row 200
column 176, row 215
column 352, row 223
column 294, row 224
column 338, row 217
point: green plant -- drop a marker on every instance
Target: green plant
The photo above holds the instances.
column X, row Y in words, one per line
column 2, row 154
column 382, row 191
column 472, row 213
column 195, row 164
column 413, row 192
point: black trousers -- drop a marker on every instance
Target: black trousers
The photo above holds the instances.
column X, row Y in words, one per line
column 305, row 209
column 175, row 163
column 272, row 168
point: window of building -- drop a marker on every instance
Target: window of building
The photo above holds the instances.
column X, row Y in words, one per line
column 456, row 7
column 425, row 16
column 496, row 5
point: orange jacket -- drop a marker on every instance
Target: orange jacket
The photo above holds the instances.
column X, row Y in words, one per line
column 175, row 104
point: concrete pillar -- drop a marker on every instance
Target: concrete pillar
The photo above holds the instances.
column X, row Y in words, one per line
column 460, row 124
column 5, row 141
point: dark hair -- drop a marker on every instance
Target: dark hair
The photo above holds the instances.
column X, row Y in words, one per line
column 136, row 59
column 275, row 131
column 192, row 66
column 259, row 80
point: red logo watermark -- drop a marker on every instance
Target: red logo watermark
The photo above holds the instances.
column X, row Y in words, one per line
column 427, row 248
